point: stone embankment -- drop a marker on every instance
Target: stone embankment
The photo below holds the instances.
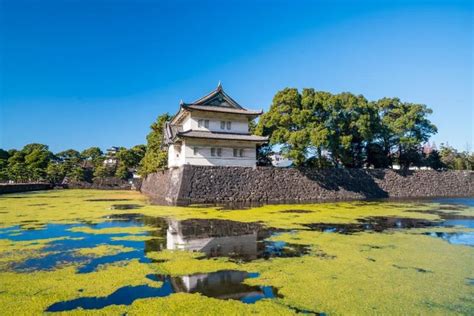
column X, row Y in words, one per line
column 23, row 187
column 199, row 184
column 110, row 183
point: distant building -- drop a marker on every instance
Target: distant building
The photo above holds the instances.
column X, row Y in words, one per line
column 279, row 161
column 111, row 159
column 212, row 131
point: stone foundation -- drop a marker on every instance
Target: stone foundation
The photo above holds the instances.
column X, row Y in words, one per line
column 199, row 184
column 24, row 187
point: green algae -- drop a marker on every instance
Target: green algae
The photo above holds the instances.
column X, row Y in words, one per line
column 102, row 250
column 17, row 251
column 112, row 230
column 397, row 272
column 31, row 293
column 389, row 273
column 188, row 304
column 133, row 238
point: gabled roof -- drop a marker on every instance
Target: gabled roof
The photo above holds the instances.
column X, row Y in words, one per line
column 218, row 98
column 216, row 101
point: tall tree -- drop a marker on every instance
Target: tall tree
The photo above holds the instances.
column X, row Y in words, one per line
column 315, row 126
column 4, row 155
column 284, row 123
column 29, row 163
column 402, row 128
column 156, row 157
column 93, row 155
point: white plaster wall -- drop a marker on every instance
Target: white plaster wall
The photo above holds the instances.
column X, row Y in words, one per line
column 204, row 157
column 176, row 158
column 239, row 124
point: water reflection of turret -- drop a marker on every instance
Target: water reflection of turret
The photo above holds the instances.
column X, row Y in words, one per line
column 226, row 284
column 216, row 238
column 219, row 238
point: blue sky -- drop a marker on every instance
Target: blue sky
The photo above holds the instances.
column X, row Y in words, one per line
column 75, row 74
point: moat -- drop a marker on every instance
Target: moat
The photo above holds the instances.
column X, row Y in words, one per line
column 112, row 252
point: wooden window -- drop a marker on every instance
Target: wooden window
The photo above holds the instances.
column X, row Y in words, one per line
column 222, row 124
column 241, row 152
column 236, row 152
column 213, row 151
column 219, row 152
column 206, row 123
column 229, row 124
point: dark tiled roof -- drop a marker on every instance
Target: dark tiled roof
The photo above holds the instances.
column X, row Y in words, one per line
column 220, row 109
column 220, row 96
column 170, row 132
column 224, row 136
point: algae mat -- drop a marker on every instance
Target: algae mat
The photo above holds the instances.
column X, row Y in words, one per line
column 110, row 252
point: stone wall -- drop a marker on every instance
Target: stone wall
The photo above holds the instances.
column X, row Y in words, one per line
column 199, row 184
column 23, row 187
column 110, row 183
column 164, row 187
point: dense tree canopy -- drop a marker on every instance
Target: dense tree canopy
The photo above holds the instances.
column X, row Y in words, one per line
column 454, row 159
column 322, row 129
column 156, row 157
column 35, row 162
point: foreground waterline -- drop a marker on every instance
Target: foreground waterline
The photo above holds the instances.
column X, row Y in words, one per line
column 317, row 257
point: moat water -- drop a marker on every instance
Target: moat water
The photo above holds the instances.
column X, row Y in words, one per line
column 245, row 254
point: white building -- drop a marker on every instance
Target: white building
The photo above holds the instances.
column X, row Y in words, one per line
column 110, row 158
column 279, row 161
column 212, row 131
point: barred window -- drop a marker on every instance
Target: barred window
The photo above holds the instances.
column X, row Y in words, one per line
column 229, row 124
column 196, row 151
column 206, row 123
column 219, row 152
column 213, row 151
column 200, row 123
column 222, row 124
column 236, row 152
column 241, row 152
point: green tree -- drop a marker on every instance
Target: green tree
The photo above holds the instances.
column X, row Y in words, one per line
column 156, row 157
column 285, row 124
column 4, row 155
column 55, row 172
column 103, row 171
column 455, row 160
column 433, row 160
column 402, row 128
column 319, row 124
column 29, row 163
column 315, row 126
column 348, row 129
column 71, row 160
column 122, row 172
column 93, row 155
column 77, row 174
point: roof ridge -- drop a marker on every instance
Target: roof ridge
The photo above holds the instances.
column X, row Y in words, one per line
column 213, row 93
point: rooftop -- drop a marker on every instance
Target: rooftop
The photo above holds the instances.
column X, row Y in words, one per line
column 222, row 136
column 216, row 101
